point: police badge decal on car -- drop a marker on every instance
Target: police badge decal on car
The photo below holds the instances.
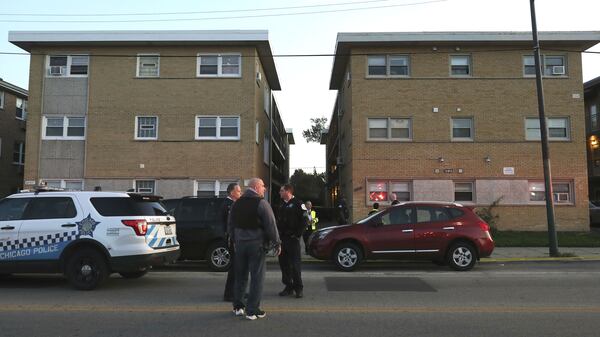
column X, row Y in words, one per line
column 87, row 226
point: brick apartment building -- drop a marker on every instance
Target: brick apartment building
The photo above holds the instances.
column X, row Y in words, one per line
column 592, row 130
column 13, row 113
column 173, row 113
column 453, row 116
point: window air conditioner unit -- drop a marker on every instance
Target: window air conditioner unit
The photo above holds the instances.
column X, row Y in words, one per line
column 339, row 161
column 558, row 70
column 56, row 70
column 258, row 76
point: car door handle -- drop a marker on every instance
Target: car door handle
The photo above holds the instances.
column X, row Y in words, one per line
column 407, row 231
column 7, row 228
column 68, row 225
column 448, row 228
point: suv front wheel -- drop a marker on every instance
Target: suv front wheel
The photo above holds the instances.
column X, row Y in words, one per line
column 218, row 257
column 86, row 269
column 347, row 256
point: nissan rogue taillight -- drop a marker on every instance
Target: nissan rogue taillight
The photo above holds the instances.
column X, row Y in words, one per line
column 484, row 226
column 139, row 226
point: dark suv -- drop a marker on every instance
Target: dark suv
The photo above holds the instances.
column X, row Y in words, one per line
column 200, row 232
column 445, row 233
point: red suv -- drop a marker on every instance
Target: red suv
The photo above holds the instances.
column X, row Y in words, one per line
column 446, row 233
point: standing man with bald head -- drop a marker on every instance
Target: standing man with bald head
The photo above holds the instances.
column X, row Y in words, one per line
column 252, row 226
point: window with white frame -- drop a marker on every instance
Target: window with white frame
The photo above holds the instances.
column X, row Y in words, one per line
column 389, row 128
column 552, row 65
column 462, row 129
column 463, row 191
column 528, row 65
column 145, row 186
column 21, row 109
column 387, row 65
column 460, row 65
column 378, row 190
column 19, row 153
column 146, row 127
column 558, row 128
column 213, row 188
column 561, row 192
column 267, row 100
column 63, row 127
column 217, row 127
column 1, row 99
column 67, row 65
column 68, row 184
column 148, row 65
column 219, row 65
column 257, row 132
column 401, row 189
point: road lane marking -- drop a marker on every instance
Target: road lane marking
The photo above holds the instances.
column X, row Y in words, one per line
column 308, row 310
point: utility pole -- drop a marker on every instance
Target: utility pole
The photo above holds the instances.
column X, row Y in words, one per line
column 553, row 242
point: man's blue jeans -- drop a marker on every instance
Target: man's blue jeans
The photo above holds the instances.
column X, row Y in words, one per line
column 249, row 259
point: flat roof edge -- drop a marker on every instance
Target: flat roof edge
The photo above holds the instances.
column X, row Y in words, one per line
column 495, row 36
column 137, row 36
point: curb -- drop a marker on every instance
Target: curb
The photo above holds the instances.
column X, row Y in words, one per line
column 483, row 260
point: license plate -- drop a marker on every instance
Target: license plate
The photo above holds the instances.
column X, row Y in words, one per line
column 168, row 230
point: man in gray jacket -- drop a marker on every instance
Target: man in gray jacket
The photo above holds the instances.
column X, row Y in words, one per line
column 252, row 228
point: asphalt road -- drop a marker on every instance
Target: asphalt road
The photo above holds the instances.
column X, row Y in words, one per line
column 513, row 299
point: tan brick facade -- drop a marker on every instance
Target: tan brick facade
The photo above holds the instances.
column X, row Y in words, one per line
column 113, row 158
column 12, row 131
column 497, row 97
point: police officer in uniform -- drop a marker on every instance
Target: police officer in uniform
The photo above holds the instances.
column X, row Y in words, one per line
column 233, row 193
column 312, row 224
column 292, row 220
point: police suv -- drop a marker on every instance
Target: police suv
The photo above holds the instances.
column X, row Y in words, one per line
column 85, row 235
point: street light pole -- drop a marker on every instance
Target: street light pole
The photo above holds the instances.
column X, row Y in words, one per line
column 553, row 242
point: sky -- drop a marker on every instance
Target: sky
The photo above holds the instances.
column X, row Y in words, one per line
column 305, row 90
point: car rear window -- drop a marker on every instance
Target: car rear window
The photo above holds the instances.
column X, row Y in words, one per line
column 126, row 206
column 455, row 212
column 199, row 209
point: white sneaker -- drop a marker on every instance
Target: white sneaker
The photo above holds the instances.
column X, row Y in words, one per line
column 260, row 314
column 239, row 312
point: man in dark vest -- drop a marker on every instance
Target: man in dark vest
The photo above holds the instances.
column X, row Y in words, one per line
column 233, row 193
column 291, row 223
column 253, row 230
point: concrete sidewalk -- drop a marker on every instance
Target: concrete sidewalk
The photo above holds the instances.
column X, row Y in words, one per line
column 542, row 254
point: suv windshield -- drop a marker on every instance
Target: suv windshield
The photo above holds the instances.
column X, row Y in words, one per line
column 127, row 206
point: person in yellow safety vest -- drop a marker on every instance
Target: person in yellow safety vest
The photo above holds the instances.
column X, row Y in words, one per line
column 311, row 225
column 375, row 208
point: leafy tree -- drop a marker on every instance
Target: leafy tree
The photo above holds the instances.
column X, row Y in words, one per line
column 308, row 186
column 314, row 133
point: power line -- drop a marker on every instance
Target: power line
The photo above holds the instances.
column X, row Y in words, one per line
column 226, row 17
column 200, row 12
